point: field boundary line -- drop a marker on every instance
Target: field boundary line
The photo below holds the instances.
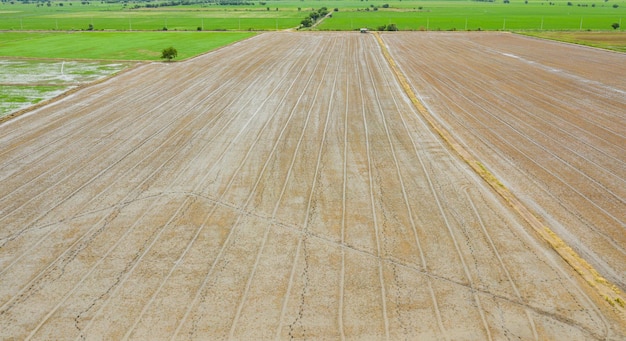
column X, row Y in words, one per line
column 607, row 291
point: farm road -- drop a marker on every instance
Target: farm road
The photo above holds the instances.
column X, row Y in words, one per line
column 282, row 187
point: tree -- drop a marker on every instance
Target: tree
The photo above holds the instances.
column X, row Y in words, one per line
column 169, row 53
column 615, row 25
column 307, row 22
column 390, row 27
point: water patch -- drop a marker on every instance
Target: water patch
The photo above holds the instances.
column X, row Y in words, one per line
column 27, row 82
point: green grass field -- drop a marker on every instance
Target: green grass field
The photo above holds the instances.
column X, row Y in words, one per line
column 115, row 16
column 112, row 45
column 473, row 15
column 352, row 14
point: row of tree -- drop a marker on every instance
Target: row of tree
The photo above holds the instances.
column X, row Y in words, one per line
column 314, row 17
column 191, row 2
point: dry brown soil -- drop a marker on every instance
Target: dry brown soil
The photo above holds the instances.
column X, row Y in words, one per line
column 285, row 187
column 548, row 119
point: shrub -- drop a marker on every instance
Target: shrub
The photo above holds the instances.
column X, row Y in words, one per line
column 390, row 27
column 169, row 53
column 307, row 22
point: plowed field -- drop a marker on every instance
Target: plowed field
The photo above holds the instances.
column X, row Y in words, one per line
column 549, row 119
column 283, row 187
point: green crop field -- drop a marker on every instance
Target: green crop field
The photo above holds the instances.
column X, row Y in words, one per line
column 112, row 45
column 277, row 15
column 75, row 16
column 474, row 15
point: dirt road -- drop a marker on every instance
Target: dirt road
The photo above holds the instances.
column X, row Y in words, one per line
column 283, row 187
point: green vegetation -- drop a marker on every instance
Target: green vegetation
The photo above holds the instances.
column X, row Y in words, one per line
column 607, row 40
column 314, row 17
column 27, row 82
column 112, row 45
column 135, row 16
column 479, row 15
column 169, row 53
column 194, row 15
column 13, row 98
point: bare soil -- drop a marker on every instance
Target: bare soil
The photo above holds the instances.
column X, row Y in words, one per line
column 546, row 118
column 283, row 187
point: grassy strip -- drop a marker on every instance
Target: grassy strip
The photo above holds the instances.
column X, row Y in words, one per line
column 615, row 41
column 112, row 45
column 609, row 292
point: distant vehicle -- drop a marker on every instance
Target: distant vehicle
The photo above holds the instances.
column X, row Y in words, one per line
column 364, row 30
